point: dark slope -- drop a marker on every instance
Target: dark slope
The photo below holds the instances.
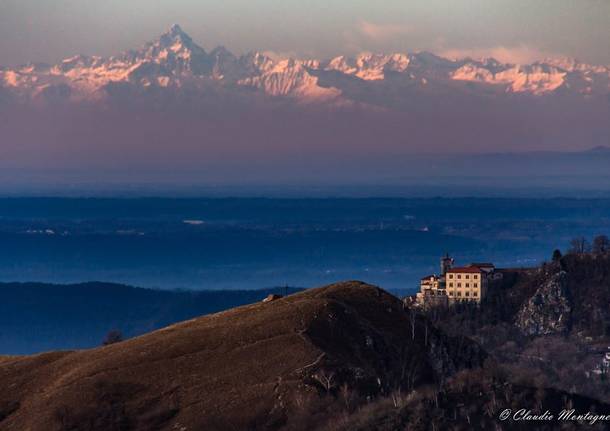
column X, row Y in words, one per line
column 246, row 368
column 474, row 400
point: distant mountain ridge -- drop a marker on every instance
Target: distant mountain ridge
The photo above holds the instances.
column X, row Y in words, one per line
column 175, row 63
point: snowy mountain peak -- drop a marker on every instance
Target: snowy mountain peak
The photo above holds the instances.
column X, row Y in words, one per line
column 177, row 41
column 174, row 53
column 369, row 66
column 175, row 61
column 175, row 29
column 174, row 33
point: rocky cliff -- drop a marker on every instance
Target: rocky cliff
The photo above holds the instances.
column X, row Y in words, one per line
column 549, row 310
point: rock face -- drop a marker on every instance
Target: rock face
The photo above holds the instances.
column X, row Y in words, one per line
column 549, row 310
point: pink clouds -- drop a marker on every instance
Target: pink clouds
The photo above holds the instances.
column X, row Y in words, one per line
column 521, row 54
column 382, row 32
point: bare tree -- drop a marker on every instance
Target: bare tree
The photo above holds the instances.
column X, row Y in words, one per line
column 539, row 397
column 568, row 404
column 426, row 333
column 348, row 396
column 326, row 379
column 579, row 245
column 601, row 244
column 489, row 409
column 508, row 392
column 412, row 319
column 398, row 400
column 411, row 371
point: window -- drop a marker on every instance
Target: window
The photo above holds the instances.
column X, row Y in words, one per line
column 450, row 284
column 459, row 276
column 459, row 294
column 475, row 285
column 467, row 284
column 459, row 284
column 450, row 275
column 450, row 293
column 476, row 276
column 467, row 276
column 475, row 294
column 467, row 293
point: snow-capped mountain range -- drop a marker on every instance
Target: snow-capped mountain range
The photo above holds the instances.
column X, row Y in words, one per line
column 176, row 64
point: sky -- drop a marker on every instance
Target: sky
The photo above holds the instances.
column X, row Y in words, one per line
column 235, row 141
column 510, row 30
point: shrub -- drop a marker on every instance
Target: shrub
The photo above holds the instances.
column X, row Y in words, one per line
column 112, row 337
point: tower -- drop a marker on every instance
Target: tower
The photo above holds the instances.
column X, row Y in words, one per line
column 446, row 264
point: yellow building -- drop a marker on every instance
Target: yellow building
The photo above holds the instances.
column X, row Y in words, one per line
column 432, row 287
column 430, row 282
column 432, row 291
column 469, row 283
column 463, row 284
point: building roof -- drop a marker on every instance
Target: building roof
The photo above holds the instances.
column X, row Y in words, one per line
column 466, row 269
column 427, row 277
